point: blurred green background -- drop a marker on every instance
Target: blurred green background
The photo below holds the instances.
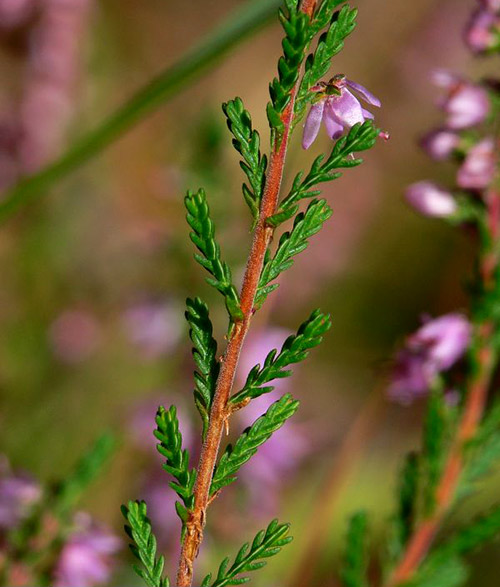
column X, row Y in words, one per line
column 112, row 237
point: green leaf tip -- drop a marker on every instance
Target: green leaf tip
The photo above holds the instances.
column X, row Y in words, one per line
column 267, row 543
column 144, row 544
column 205, row 357
column 253, row 437
column 247, row 142
column 292, row 243
column 177, row 460
column 203, row 237
column 295, row 349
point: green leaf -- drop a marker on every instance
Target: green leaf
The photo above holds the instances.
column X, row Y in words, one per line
column 292, row 243
column 86, row 470
column 144, row 544
column 482, row 452
column 360, row 138
column 203, row 236
column 329, row 44
column 247, row 142
column 408, row 501
column 266, row 543
column 253, row 437
column 177, row 460
column 296, row 26
column 478, row 531
column 204, row 355
column 449, row 572
column 434, row 446
column 295, row 349
column 353, row 573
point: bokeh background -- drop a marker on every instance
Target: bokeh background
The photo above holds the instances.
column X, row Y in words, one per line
column 94, row 276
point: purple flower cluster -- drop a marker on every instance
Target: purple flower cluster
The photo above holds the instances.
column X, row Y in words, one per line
column 86, row 556
column 465, row 105
column 434, row 348
column 337, row 107
column 482, row 33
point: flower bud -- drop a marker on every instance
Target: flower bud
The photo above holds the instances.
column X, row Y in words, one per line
column 439, row 144
column 482, row 32
column 430, row 200
column 478, row 169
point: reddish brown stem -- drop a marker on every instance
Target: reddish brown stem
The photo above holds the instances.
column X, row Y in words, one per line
column 479, row 384
column 219, row 413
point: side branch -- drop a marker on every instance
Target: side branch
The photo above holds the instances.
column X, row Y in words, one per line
column 485, row 358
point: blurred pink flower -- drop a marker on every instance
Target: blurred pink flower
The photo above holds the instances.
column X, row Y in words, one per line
column 439, row 144
column 87, row 557
column 478, row 169
column 74, row 336
column 482, row 32
column 18, row 493
column 465, row 103
column 153, row 327
column 430, row 200
column 15, row 13
column 337, row 107
column 434, row 348
column 492, row 5
column 52, row 73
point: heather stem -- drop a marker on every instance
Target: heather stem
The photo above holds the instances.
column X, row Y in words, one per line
column 220, row 414
column 483, row 360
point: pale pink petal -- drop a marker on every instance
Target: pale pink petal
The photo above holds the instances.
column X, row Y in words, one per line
column 333, row 128
column 364, row 93
column 346, row 109
column 312, row 124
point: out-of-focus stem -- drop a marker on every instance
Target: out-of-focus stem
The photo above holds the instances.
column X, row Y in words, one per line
column 220, row 413
column 146, row 100
column 483, row 363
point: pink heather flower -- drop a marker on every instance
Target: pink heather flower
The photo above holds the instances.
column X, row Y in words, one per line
column 434, row 348
column 466, row 104
column 18, row 493
column 14, row 13
column 491, row 5
column 439, row 144
column 87, row 558
column 337, row 107
column 478, row 169
column 430, row 200
column 74, row 336
column 153, row 327
column 482, row 32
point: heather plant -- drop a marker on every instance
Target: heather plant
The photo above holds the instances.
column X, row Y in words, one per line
column 451, row 359
column 313, row 34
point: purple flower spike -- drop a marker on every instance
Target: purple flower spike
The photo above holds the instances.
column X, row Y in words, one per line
column 86, row 559
column 478, row 169
column 434, row 348
column 440, row 144
column 466, row 104
column 482, row 31
column 338, row 108
column 430, row 200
